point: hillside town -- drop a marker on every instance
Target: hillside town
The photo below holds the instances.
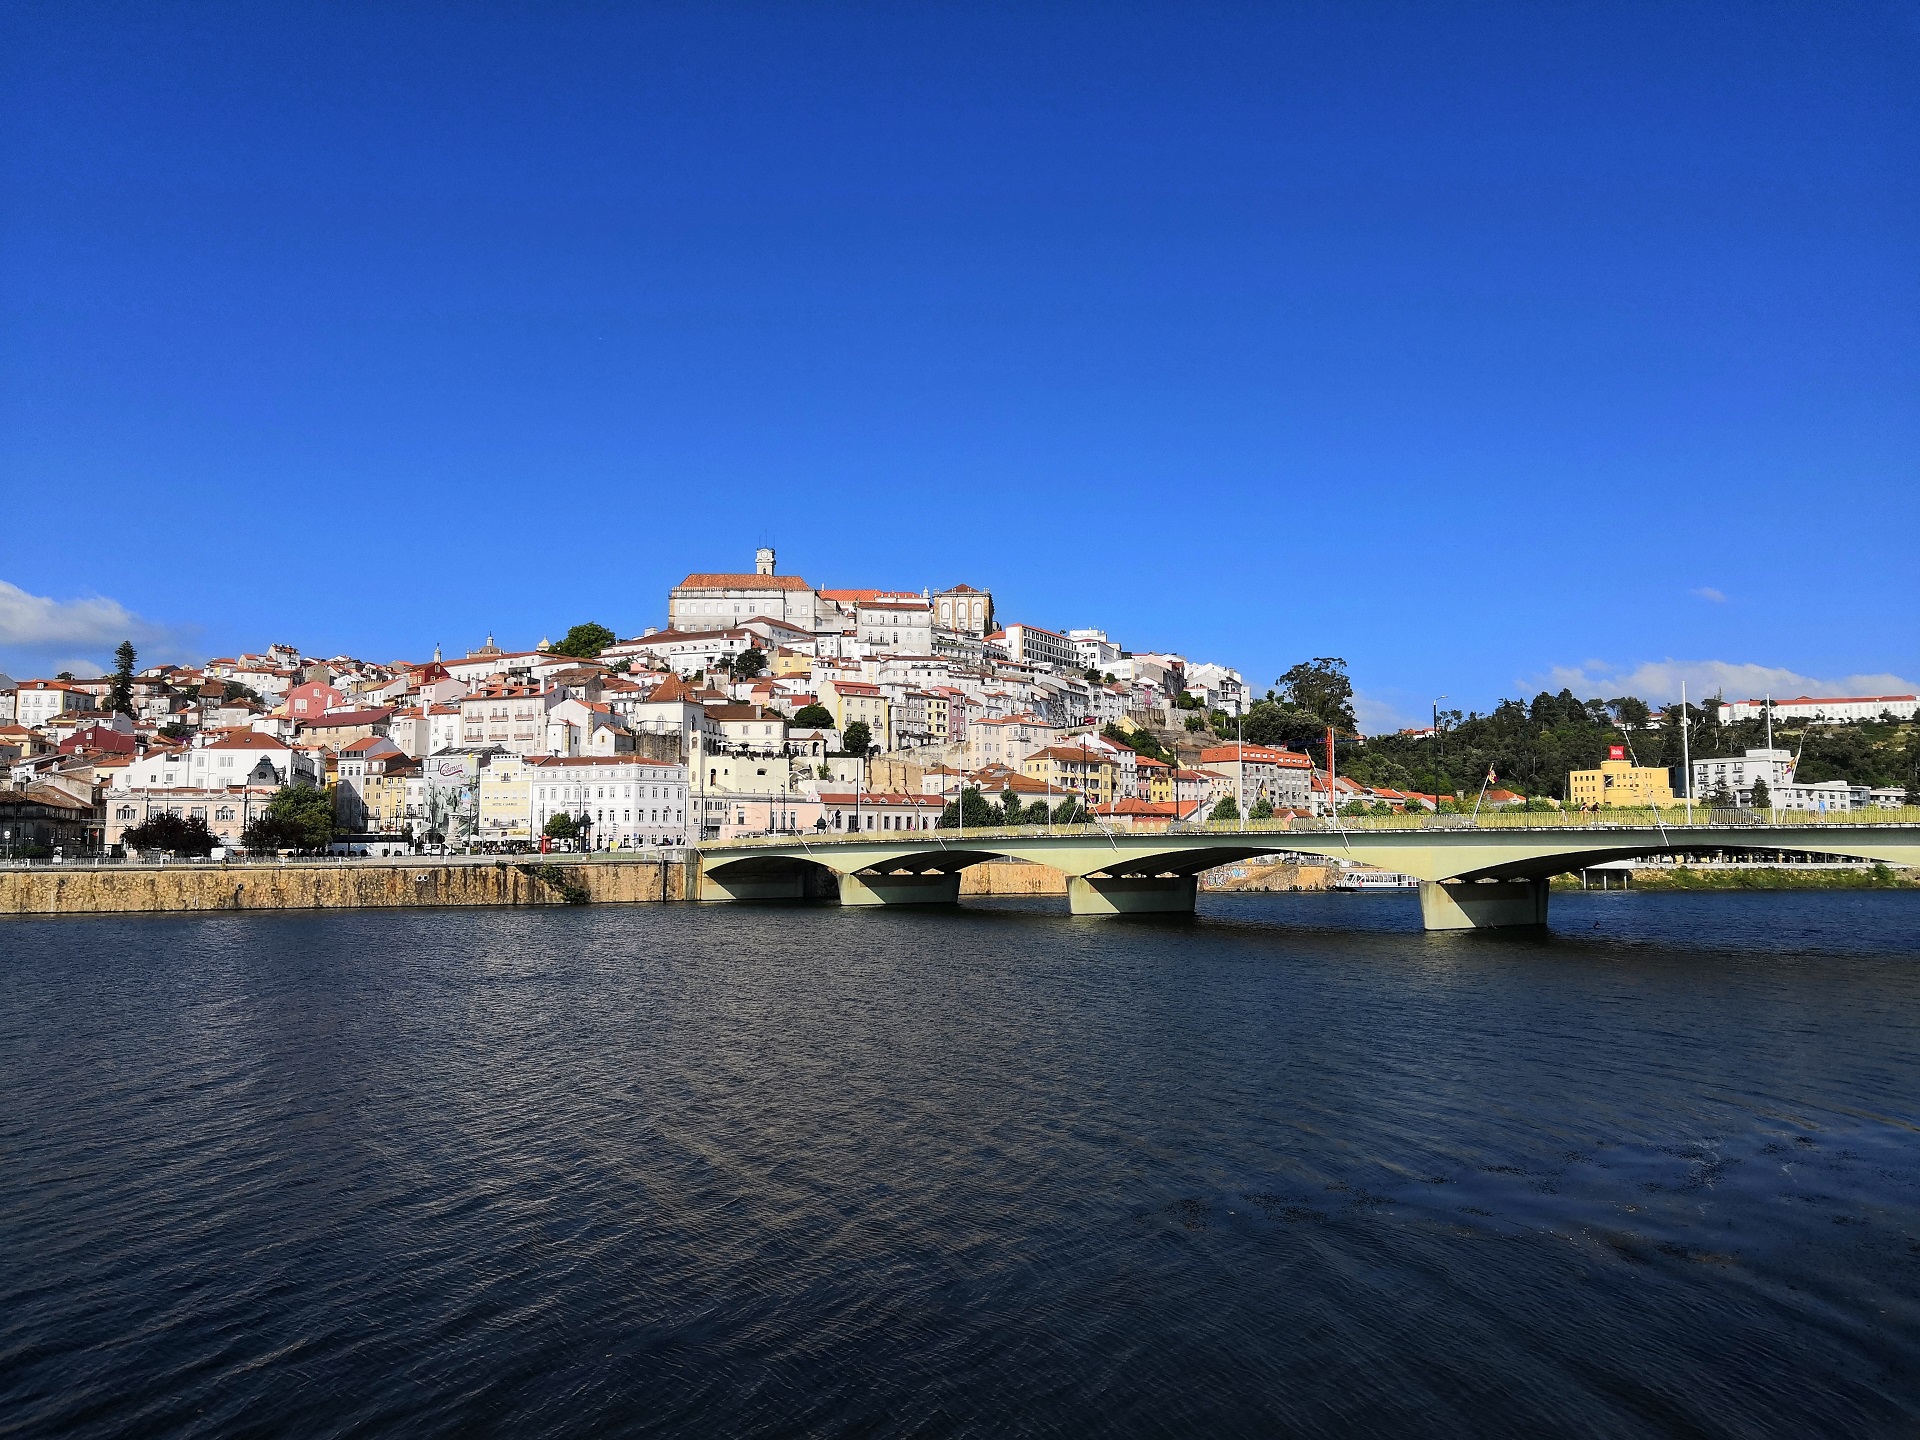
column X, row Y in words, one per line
column 765, row 705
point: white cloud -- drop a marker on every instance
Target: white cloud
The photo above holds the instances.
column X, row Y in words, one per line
column 1659, row 681
column 1379, row 715
column 39, row 634
column 1707, row 592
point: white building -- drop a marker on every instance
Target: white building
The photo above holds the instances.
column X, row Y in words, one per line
column 1218, row 688
column 895, row 627
column 1093, row 651
column 1831, row 710
column 509, row 714
column 631, row 801
column 847, row 811
column 37, row 701
column 244, row 757
column 1738, row 773
column 719, row 601
column 1031, row 645
column 686, row 651
column 1821, row 795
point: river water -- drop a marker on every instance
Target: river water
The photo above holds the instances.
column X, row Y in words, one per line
column 1289, row 1167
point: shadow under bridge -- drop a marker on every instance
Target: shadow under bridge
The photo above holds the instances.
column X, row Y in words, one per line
column 1105, row 874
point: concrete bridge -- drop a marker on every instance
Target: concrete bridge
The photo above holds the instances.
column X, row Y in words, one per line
column 1474, row 873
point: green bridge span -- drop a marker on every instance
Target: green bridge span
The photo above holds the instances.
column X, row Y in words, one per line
column 1474, row 873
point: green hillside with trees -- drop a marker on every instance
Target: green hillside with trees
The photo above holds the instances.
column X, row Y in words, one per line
column 1531, row 745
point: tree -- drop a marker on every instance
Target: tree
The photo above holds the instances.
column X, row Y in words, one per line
column 1267, row 723
column 1196, row 722
column 1012, row 811
column 1070, row 812
column 979, row 814
column 561, row 827
column 749, row 663
column 299, row 817
column 857, row 739
column 1141, row 742
column 1630, row 710
column 120, row 698
column 1321, row 688
column 1720, row 798
column 171, row 834
column 1762, row 797
column 231, row 690
column 814, row 717
column 1093, row 675
column 1262, row 809
column 1228, row 808
column 585, row 641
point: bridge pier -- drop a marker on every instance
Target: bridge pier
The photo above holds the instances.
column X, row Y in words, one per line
column 1483, row 905
column 1131, row 894
column 874, row 889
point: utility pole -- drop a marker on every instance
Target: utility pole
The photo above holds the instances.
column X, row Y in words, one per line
column 1240, row 770
column 1333, row 796
column 1686, row 757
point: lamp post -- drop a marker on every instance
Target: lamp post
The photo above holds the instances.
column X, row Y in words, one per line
column 1438, row 752
column 1240, row 769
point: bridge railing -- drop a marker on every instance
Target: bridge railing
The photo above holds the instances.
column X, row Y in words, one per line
column 1676, row 818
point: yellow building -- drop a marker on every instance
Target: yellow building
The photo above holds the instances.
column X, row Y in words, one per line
column 506, row 801
column 1619, row 781
column 387, row 783
column 1155, row 779
column 1068, row 770
column 854, row 700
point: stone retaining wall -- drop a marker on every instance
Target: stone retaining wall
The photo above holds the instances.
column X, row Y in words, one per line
column 535, row 881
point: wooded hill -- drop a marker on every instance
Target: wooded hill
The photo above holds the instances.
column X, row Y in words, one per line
column 1532, row 746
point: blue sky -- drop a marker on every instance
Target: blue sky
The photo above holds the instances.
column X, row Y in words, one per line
column 1483, row 345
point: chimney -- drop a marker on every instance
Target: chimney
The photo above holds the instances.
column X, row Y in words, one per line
column 763, row 560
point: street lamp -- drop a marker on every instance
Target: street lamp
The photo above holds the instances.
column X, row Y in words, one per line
column 1438, row 750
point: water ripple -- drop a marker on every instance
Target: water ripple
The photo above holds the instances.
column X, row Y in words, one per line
column 1291, row 1167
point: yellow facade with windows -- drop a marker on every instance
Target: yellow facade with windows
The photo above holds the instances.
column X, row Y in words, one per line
column 1619, row 781
column 1090, row 774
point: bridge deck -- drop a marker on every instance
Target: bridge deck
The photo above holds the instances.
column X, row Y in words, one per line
column 1111, row 871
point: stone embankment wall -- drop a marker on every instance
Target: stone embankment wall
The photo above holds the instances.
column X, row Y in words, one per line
column 124, row 888
column 1268, row 875
column 533, row 880
column 1005, row 877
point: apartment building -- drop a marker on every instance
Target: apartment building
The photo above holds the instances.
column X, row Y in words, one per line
column 1283, row 778
column 629, row 801
column 1738, row 774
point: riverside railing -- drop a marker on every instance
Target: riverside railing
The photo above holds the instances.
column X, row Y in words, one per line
column 1554, row 820
column 668, row 854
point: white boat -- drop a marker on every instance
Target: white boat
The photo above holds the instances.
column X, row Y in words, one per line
column 1359, row 879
